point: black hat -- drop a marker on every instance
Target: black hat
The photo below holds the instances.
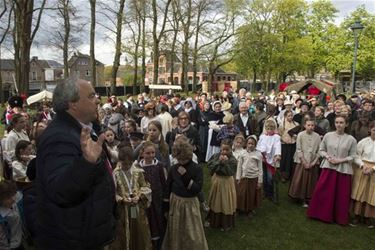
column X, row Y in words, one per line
column 299, row 99
column 15, row 101
column 136, row 135
column 342, row 96
column 305, row 103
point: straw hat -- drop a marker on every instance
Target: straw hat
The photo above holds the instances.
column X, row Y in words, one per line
column 288, row 102
column 226, row 106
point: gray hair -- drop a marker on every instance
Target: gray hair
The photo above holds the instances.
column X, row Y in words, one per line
column 242, row 104
column 64, row 93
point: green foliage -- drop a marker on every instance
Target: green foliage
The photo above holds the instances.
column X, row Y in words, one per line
column 282, row 37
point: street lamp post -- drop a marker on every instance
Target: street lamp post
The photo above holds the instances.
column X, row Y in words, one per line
column 357, row 27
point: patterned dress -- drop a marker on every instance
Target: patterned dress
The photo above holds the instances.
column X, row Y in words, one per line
column 133, row 230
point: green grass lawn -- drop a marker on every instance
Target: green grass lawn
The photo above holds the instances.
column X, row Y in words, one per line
column 285, row 226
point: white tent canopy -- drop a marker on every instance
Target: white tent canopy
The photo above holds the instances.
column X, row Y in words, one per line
column 40, row 97
column 165, row 86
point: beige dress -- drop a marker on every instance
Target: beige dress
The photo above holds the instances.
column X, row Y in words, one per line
column 363, row 186
column 304, row 180
column 133, row 231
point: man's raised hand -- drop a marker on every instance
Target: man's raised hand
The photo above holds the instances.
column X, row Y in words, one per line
column 91, row 150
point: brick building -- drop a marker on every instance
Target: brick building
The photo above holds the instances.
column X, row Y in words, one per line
column 79, row 65
column 165, row 63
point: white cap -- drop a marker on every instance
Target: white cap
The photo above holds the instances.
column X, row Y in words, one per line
column 107, row 106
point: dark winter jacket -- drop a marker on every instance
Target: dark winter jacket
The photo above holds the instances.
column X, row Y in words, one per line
column 75, row 199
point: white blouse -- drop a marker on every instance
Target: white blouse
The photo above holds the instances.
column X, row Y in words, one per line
column 365, row 151
column 250, row 166
column 271, row 146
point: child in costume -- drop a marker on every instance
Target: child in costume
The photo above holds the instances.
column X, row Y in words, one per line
column 133, row 195
column 184, row 183
column 250, row 178
column 270, row 146
column 306, row 172
column 222, row 198
column 154, row 174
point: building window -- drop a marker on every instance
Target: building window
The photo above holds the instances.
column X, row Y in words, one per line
column 204, row 78
column 175, row 80
column 34, row 76
column 83, row 62
column 219, row 78
column 224, row 78
column 87, row 72
column 161, row 60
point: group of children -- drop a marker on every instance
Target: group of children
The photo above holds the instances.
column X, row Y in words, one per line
column 160, row 196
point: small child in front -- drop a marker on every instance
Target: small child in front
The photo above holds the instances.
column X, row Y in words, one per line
column 306, row 173
column 222, row 199
column 270, row 146
column 250, row 178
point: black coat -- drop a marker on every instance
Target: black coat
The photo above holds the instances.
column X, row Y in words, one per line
column 75, row 199
column 251, row 125
column 192, row 134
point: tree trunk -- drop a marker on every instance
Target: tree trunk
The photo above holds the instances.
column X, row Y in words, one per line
column 155, row 61
column 195, row 53
column 155, row 47
column 2, row 101
column 210, row 78
column 185, row 48
column 142, row 85
column 136, row 53
column 173, row 48
column 116, row 61
column 66, row 38
column 157, row 37
column 92, row 42
column 253, row 86
column 23, row 24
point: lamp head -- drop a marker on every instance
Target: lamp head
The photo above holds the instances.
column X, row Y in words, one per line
column 357, row 27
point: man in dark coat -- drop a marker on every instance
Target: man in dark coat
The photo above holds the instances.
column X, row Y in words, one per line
column 75, row 188
column 245, row 121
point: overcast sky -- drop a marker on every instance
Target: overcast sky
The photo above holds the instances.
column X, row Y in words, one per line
column 105, row 49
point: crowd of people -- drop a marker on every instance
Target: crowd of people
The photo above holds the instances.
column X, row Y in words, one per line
column 127, row 173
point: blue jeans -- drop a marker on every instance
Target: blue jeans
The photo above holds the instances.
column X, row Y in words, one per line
column 270, row 186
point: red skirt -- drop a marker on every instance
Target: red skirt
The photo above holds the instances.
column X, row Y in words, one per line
column 331, row 198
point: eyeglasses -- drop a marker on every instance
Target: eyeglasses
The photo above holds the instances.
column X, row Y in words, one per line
column 184, row 118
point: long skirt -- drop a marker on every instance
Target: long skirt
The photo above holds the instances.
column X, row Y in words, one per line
column 132, row 233
column 184, row 227
column 211, row 150
column 331, row 198
column 249, row 196
column 363, row 192
column 287, row 162
column 303, row 182
column 222, row 202
column 203, row 135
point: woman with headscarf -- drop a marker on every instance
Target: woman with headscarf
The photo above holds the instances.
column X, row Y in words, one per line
column 215, row 119
column 203, row 128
